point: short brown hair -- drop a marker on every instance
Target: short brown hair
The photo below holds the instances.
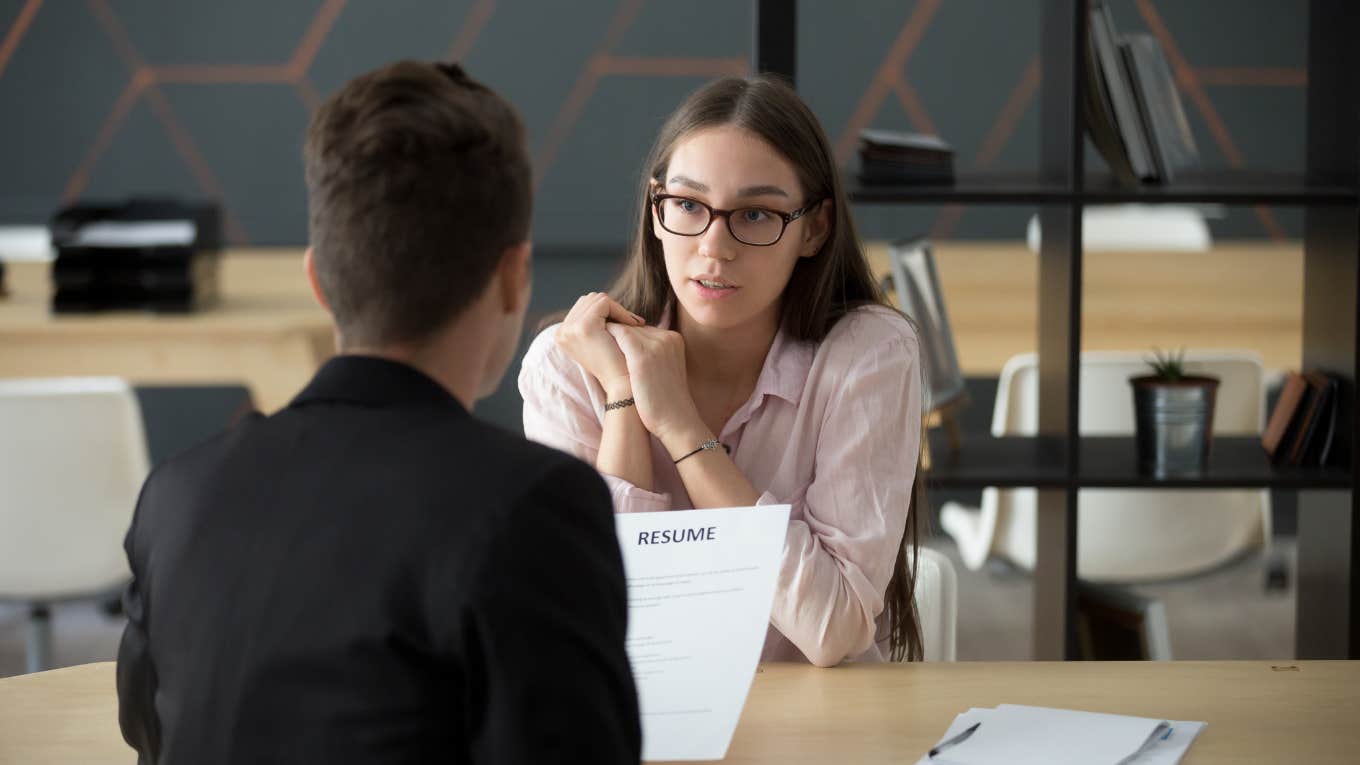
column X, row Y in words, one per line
column 417, row 180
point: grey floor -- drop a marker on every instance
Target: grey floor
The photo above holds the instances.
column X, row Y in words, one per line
column 1226, row 614
column 1223, row 614
column 82, row 632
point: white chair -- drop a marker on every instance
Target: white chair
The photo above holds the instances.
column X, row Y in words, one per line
column 1136, row 228
column 72, row 460
column 1123, row 535
column 937, row 604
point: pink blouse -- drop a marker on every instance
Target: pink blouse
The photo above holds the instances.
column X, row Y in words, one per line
column 832, row 429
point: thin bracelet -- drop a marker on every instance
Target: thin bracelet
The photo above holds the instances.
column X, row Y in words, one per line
column 708, row 445
column 612, row 405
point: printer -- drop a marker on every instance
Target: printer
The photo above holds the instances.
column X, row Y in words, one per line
column 156, row 255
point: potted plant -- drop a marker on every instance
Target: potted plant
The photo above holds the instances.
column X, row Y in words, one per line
column 1173, row 417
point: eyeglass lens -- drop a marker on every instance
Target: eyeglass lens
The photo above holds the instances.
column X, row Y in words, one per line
column 750, row 225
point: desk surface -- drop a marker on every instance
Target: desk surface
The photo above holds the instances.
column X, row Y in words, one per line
column 1301, row 712
column 260, row 289
column 267, row 331
column 1237, row 295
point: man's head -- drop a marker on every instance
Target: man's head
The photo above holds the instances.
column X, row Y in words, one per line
column 419, row 195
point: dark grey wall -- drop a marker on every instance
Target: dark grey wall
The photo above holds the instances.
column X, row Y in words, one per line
column 205, row 98
column 201, row 97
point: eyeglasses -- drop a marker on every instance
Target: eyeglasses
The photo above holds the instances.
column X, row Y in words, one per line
column 756, row 226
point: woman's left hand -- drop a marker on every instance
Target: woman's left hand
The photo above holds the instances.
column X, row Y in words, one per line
column 656, row 367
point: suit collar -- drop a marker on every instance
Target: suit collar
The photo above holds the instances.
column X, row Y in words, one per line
column 371, row 381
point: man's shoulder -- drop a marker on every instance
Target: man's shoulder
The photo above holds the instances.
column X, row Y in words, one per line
column 470, row 459
column 204, row 456
column 405, row 454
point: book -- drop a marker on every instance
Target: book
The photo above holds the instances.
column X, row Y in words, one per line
column 1317, row 436
column 1291, row 395
column 896, row 157
column 904, row 141
column 1140, row 99
column 1116, row 80
column 1168, row 131
column 1099, row 118
column 1308, row 401
column 1290, row 448
column 876, row 173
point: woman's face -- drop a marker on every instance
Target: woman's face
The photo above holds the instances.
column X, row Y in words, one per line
column 721, row 282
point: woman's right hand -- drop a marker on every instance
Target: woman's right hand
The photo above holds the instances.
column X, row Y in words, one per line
column 585, row 339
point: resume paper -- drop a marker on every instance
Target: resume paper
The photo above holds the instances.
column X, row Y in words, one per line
column 700, row 589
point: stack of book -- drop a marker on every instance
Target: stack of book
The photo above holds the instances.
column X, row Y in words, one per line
column 153, row 255
column 889, row 157
column 1132, row 108
column 1302, row 427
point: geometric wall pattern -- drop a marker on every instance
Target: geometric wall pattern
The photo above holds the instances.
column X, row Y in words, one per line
column 105, row 98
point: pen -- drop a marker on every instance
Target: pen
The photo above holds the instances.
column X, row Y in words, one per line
column 959, row 739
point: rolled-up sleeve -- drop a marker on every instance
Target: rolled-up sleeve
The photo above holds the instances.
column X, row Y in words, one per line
column 838, row 559
column 561, row 403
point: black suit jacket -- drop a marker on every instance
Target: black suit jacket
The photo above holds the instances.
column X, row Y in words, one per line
column 372, row 575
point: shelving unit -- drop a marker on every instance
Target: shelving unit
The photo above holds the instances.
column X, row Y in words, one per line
column 1224, row 187
column 1059, row 462
column 1110, row 462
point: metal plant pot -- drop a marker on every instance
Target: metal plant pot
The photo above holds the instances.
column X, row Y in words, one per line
column 1173, row 423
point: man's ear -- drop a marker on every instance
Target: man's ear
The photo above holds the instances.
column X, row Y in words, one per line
column 515, row 276
column 309, row 267
column 818, row 228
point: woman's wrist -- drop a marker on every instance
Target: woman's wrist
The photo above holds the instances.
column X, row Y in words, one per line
column 685, row 438
column 617, row 389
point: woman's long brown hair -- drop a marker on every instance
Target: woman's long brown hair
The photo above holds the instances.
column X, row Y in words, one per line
column 821, row 289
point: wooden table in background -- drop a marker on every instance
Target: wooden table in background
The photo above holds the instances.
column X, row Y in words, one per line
column 796, row 714
column 269, row 333
column 1237, row 295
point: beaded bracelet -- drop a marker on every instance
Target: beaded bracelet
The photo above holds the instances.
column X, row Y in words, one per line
column 710, row 444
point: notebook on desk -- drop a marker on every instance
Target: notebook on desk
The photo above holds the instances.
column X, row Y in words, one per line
column 1024, row 735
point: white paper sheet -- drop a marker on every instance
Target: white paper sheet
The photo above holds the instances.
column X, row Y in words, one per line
column 145, row 233
column 700, row 589
column 25, row 244
column 1021, row 734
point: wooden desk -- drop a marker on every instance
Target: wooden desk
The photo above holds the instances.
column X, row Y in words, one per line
column 63, row 716
column 267, row 332
column 864, row 714
column 1237, row 295
column 894, row 713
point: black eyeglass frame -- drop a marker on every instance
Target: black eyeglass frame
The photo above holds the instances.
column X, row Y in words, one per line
column 714, row 213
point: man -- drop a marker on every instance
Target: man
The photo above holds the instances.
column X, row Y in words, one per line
column 371, row 575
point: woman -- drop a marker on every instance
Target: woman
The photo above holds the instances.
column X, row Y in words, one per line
column 745, row 357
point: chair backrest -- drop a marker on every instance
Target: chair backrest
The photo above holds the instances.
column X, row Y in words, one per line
column 72, row 460
column 937, row 604
column 1131, row 535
